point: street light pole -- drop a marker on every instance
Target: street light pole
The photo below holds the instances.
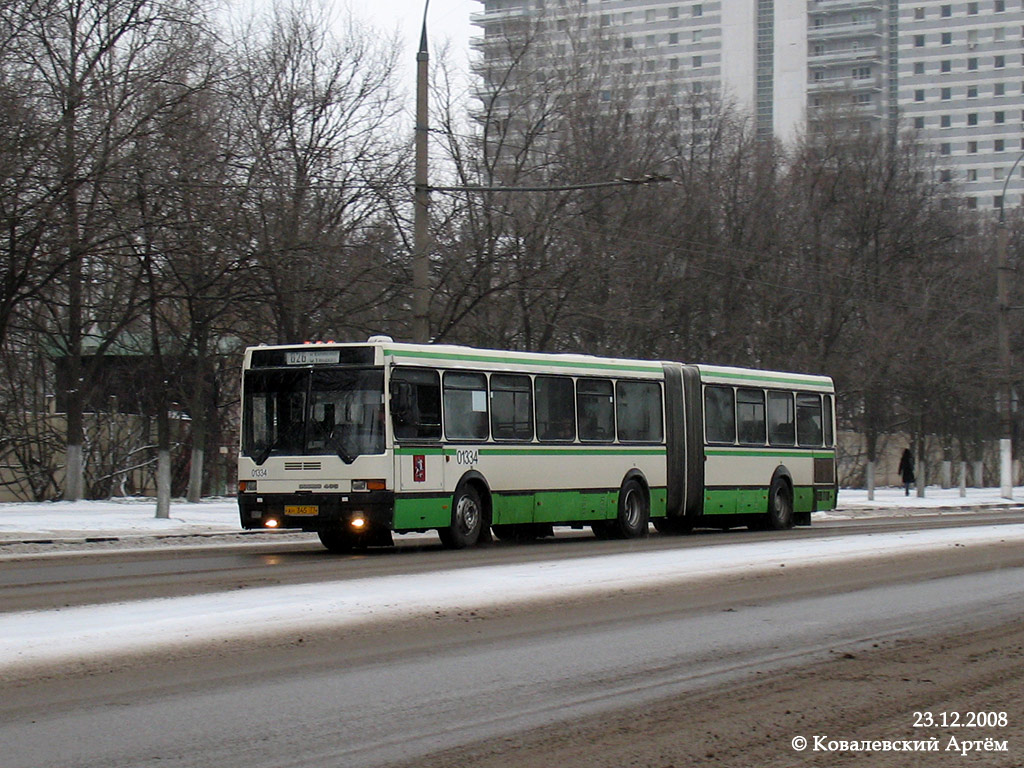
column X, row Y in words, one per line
column 421, row 202
column 1003, row 341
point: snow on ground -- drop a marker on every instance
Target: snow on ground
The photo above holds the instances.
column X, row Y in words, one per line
column 137, row 516
column 50, row 636
column 92, row 631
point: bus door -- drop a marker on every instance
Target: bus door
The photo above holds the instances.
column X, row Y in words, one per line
column 416, row 422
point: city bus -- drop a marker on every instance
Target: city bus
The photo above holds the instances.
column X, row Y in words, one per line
column 361, row 441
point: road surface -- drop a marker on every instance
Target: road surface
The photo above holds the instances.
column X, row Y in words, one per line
column 727, row 671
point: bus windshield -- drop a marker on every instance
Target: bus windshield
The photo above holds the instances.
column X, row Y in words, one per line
column 313, row 412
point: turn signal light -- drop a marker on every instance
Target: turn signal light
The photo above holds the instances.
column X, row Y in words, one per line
column 368, row 485
column 247, row 486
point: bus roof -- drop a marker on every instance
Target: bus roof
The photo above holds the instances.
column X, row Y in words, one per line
column 718, row 374
column 456, row 356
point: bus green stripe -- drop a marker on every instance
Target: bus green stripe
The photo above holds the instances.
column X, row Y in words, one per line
column 785, row 453
column 553, row 362
column 537, row 451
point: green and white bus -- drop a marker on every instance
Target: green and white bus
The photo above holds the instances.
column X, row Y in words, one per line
column 360, row 441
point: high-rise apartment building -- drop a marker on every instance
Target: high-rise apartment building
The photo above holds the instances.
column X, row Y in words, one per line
column 954, row 71
column 961, row 84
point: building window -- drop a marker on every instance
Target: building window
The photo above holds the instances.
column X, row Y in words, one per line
column 919, row 123
column 945, row 148
column 627, row 43
column 972, row 203
column 972, row 63
column 946, row 94
column 673, row 64
column 997, row 201
column 1000, row 6
column 673, row 13
column 999, row 118
column 946, row 11
column 919, row 94
column 919, row 41
column 698, row 10
column 999, row 89
column 972, row 174
column 972, row 147
column 918, row 67
column 972, row 9
column 972, row 91
column 972, row 118
column 945, row 175
column 999, row 145
column 999, row 62
column 947, row 38
column 998, row 174
column 698, row 35
column 650, row 15
column 698, row 62
column 862, row 73
column 918, row 14
column 945, row 121
column 946, row 66
column 673, row 38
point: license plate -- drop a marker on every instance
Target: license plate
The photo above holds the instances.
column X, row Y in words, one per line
column 305, row 510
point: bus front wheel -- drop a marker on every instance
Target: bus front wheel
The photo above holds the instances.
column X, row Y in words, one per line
column 780, row 505
column 467, row 519
column 336, row 540
column 634, row 512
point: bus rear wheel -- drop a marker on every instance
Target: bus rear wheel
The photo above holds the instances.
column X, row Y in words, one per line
column 336, row 540
column 780, row 506
column 467, row 519
column 634, row 513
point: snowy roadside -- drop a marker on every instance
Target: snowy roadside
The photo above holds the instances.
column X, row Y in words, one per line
column 115, row 522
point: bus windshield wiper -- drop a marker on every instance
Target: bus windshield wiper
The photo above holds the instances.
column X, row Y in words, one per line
column 338, row 448
column 263, row 454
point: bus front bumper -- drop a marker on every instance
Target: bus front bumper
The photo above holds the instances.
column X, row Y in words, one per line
column 369, row 510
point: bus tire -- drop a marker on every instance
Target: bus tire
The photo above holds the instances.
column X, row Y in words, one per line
column 673, row 526
column 780, row 506
column 336, row 540
column 467, row 519
column 634, row 512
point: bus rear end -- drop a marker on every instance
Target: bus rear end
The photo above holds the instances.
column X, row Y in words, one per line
column 314, row 451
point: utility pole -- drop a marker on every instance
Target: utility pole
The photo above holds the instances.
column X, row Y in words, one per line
column 421, row 202
column 1003, row 341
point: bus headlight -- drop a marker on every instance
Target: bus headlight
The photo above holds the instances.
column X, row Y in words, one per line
column 271, row 522
column 247, row 486
column 358, row 522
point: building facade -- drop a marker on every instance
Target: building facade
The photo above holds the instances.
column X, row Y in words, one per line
column 952, row 71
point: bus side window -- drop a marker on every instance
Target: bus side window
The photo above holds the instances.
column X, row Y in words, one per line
column 465, row 406
column 556, row 413
column 808, row 420
column 781, row 419
column 638, row 411
column 416, row 404
column 511, row 407
column 595, row 405
column 750, row 422
column 828, row 421
column 719, row 415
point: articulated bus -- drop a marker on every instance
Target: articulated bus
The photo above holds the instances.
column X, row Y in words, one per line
column 358, row 442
